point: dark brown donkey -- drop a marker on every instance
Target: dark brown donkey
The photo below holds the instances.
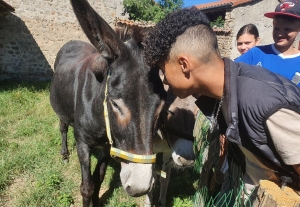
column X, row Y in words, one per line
column 134, row 101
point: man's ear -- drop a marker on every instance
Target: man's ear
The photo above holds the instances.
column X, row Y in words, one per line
column 183, row 62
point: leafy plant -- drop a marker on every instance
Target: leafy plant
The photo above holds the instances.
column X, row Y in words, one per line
column 219, row 22
column 149, row 10
column 65, row 199
column 182, row 202
column 53, row 181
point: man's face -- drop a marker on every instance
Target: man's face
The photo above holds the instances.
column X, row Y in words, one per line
column 176, row 78
column 285, row 32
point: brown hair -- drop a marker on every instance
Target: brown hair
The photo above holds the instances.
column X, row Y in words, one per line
column 248, row 29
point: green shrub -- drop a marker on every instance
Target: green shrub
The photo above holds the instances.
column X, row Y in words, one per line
column 219, row 22
column 149, row 10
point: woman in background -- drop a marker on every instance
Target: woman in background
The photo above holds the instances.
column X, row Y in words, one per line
column 246, row 38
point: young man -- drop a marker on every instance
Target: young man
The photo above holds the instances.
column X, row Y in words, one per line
column 261, row 110
column 281, row 57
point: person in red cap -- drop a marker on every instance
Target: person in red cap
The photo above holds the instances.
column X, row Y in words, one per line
column 281, row 57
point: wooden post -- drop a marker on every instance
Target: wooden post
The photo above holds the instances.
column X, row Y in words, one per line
column 270, row 194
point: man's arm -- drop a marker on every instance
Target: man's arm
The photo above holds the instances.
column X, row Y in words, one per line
column 285, row 133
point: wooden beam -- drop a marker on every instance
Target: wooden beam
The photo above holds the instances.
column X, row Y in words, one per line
column 271, row 194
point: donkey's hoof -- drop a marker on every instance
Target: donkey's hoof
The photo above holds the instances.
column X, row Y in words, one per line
column 65, row 158
column 66, row 161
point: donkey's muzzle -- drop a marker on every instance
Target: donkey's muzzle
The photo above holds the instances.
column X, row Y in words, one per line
column 137, row 179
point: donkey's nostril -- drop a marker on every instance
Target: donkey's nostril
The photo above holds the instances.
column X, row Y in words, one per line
column 127, row 189
column 134, row 192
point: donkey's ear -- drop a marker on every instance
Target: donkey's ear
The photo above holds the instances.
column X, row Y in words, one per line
column 100, row 34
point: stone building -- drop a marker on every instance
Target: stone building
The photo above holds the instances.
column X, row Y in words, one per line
column 33, row 31
column 237, row 13
column 32, row 34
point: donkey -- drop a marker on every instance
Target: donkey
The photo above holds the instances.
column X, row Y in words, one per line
column 112, row 72
column 174, row 139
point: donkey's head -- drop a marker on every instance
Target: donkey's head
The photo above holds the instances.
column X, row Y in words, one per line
column 134, row 96
column 179, row 118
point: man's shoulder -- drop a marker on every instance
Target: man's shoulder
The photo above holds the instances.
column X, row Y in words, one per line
column 258, row 97
column 264, row 49
column 253, row 77
column 255, row 54
column 259, row 83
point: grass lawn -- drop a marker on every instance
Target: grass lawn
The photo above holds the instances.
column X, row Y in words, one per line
column 32, row 173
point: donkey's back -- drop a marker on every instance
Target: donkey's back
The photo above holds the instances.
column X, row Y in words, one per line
column 77, row 66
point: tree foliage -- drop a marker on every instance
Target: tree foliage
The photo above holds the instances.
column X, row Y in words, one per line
column 150, row 10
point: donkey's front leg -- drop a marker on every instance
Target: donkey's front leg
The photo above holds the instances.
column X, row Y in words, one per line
column 99, row 172
column 149, row 199
column 87, row 185
column 164, row 182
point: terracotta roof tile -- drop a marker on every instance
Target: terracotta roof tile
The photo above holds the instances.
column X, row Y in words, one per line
column 119, row 22
column 5, row 7
column 220, row 3
column 130, row 23
column 221, row 30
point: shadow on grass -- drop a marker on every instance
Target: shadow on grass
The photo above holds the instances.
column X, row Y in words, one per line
column 115, row 183
column 8, row 85
column 181, row 184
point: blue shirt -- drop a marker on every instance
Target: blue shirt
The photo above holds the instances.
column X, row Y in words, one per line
column 270, row 58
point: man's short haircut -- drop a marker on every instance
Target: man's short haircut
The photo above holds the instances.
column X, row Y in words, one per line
column 161, row 38
column 198, row 40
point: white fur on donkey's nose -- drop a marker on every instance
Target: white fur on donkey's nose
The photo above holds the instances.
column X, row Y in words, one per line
column 137, row 179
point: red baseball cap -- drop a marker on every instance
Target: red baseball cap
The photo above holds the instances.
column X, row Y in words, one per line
column 286, row 8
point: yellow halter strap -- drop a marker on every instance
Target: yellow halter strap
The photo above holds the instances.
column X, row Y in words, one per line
column 114, row 152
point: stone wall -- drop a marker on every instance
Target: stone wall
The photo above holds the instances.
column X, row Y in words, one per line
column 224, row 41
column 31, row 36
column 224, row 36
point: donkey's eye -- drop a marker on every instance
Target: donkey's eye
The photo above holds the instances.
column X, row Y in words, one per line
column 122, row 112
column 115, row 105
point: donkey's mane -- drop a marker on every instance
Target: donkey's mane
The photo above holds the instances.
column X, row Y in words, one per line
column 131, row 31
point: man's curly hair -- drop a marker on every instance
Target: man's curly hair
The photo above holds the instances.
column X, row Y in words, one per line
column 164, row 34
